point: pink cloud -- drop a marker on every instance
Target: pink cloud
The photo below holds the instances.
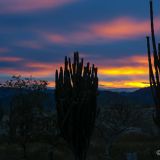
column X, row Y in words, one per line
column 121, row 28
column 10, row 59
column 122, row 73
column 13, row 6
column 41, row 65
column 56, row 38
column 126, row 66
column 73, row 38
column 35, row 69
column 117, row 29
column 4, row 50
column 29, row 44
column 42, row 69
column 126, row 72
column 14, row 71
column 134, row 61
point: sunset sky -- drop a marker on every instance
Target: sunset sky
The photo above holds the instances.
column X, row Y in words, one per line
column 35, row 35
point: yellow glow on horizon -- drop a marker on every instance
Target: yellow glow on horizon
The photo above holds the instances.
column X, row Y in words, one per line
column 124, row 71
column 51, row 84
column 127, row 72
column 124, row 84
column 117, row 84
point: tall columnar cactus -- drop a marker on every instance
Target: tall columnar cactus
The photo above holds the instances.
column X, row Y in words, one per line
column 154, row 68
column 76, row 102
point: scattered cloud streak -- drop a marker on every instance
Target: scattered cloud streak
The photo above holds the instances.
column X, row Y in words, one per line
column 35, row 35
column 127, row 72
column 10, row 59
column 126, row 66
column 14, row 6
column 29, row 44
column 130, row 71
column 4, row 50
column 122, row 28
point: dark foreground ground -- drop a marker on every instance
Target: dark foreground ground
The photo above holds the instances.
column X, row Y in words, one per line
column 143, row 146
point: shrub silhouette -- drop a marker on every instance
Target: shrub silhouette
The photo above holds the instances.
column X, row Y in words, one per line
column 76, row 103
column 26, row 107
column 154, row 68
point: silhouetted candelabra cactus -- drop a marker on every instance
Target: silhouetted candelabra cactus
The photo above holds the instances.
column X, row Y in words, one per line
column 154, row 68
column 76, row 103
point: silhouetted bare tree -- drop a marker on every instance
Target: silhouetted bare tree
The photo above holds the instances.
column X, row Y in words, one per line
column 25, row 108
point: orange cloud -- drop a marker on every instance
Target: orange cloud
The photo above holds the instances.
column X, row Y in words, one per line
column 51, row 84
column 128, row 66
column 35, row 69
column 117, row 29
column 133, row 74
column 121, row 28
column 43, row 69
column 16, row 71
column 43, row 65
column 137, row 60
column 13, row 6
column 26, row 73
column 56, row 38
column 143, row 60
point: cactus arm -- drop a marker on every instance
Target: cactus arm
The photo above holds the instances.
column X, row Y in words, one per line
column 151, row 74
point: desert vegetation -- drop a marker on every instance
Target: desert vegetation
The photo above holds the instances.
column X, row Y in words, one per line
column 77, row 126
column 78, row 121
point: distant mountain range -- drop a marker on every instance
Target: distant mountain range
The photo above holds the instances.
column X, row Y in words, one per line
column 118, row 89
column 6, row 95
column 139, row 97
